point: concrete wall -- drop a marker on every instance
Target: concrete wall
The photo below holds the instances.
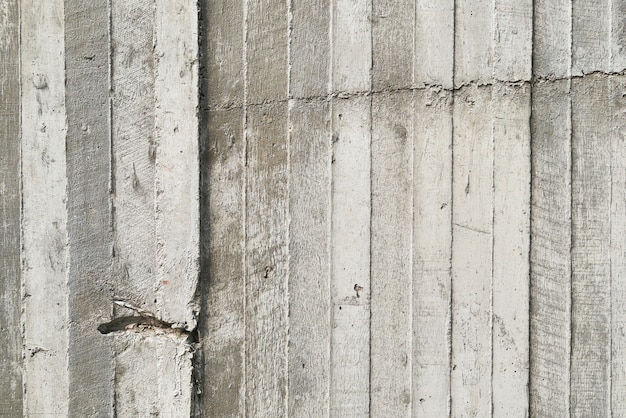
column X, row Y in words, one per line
column 315, row 208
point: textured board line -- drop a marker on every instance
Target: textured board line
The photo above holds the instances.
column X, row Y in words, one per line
column 44, row 233
column 89, row 207
column 222, row 212
column 10, row 210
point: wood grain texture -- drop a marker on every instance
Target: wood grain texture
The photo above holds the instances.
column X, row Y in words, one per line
column 472, row 253
column 267, row 261
column 473, row 46
column 617, row 103
column 432, row 252
column 432, row 213
column 44, row 216
column 550, row 276
column 267, row 38
column 552, row 38
column 591, row 36
column 224, row 388
column 222, row 164
column 10, row 211
column 88, row 151
column 133, row 174
column 223, row 37
column 309, row 48
column 434, row 42
column 391, row 254
column 512, row 40
column 618, row 36
column 309, row 258
column 176, row 162
column 350, row 257
column 392, row 44
column 511, row 245
column 591, row 240
column 351, row 44
column 351, row 209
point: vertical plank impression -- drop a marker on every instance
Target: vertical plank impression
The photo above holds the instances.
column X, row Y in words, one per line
column 618, row 36
column 432, row 241
column 472, row 253
column 391, row 254
column 222, row 208
column 88, row 204
column 176, row 161
column 44, row 215
column 512, row 40
column 309, row 259
column 177, row 205
column 309, row 209
column 267, row 39
column 432, row 200
column 473, row 60
column 392, row 47
column 591, row 36
column 309, row 48
column 351, row 35
column 266, row 261
column 552, row 34
column 10, row 211
column 133, row 177
column 434, row 42
column 223, row 338
column 617, row 90
column 591, row 217
column 351, row 209
column 134, row 150
column 391, row 223
column 511, row 242
column 550, row 258
column 267, row 244
column 350, row 286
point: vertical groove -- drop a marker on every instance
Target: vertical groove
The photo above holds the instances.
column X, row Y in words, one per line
column 571, row 206
column 371, row 198
column 245, row 202
column 450, row 310
column 411, row 344
column 331, row 182
column 288, row 202
column 493, row 197
column 530, row 207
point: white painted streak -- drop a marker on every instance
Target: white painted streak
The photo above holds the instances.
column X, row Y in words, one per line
column 44, row 216
column 177, row 175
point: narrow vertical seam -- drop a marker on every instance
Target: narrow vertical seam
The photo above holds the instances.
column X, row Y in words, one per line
column 244, row 388
column 288, row 203
column 112, row 163
column 329, row 241
column 370, row 99
column 530, row 211
column 610, row 382
column 494, row 29
column 411, row 342
column 451, row 276
column 571, row 209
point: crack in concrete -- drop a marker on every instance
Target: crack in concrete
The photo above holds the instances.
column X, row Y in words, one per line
column 423, row 87
column 146, row 323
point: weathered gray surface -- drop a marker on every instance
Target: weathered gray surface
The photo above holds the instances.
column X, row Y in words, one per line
column 397, row 208
column 10, row 292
